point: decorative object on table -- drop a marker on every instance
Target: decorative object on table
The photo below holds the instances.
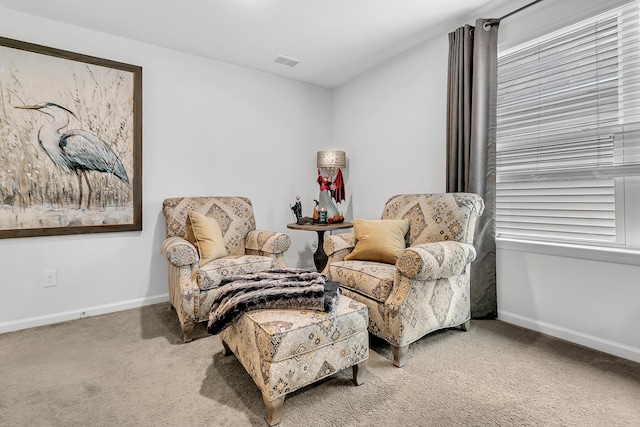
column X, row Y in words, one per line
column 71, row 160
column 331, row 183
column 322, row 216
column 315, row 210
column 412, row 288
column 305, row 220
column 297, row 209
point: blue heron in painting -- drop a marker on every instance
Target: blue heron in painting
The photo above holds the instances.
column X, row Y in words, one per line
column 76, row 150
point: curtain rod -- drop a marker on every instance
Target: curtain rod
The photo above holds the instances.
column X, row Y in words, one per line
column 497, row 21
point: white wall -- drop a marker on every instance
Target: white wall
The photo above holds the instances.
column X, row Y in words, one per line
column 209, row 128
column 592, row 303
column 391, row 122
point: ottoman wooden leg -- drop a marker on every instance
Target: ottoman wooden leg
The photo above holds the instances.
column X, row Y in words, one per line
column 226, row 351
column 359, row 371
column 274, row 409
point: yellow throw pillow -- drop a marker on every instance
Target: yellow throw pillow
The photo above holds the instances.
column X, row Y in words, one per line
column 379, row 240
column 207, row 237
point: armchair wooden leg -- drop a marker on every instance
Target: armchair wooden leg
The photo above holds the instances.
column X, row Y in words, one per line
column 187, row 332
column 399, row 355
column 359, row 371
column 274, row 409
column 466, row 326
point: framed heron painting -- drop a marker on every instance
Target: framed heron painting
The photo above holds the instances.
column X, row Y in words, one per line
column 70, row 142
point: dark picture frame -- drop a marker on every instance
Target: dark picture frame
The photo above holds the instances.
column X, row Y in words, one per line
column 70, row 142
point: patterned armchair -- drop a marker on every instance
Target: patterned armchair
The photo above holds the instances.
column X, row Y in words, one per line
column 249, row 250
column 428, row 287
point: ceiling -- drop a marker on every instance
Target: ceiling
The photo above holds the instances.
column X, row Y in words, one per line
column 333, row 40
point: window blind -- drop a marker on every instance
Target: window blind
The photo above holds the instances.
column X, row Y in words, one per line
column 568, row 122
column 579, row 211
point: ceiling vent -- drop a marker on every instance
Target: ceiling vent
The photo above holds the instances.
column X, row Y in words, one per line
column 285, row 60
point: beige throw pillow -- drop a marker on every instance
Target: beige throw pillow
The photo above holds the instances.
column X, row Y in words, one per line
column 205, row 234
column 378, row 240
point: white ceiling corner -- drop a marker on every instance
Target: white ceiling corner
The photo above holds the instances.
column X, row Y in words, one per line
column 334, row 40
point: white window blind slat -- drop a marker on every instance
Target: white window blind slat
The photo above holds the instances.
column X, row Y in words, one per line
column 559, row 233
column 602, row 228
column 534, row 214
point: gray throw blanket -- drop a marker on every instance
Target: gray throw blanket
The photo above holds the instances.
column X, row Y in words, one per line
column 289, row 288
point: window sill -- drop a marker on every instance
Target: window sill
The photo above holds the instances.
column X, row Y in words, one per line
column 594, row 253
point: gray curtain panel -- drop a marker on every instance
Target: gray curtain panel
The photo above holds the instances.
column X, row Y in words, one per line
column 471, row 146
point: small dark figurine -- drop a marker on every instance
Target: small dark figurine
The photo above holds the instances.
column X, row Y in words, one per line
column 297, row 209
column 305, row 220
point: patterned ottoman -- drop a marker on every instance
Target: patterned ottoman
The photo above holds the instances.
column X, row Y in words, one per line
column 284, row 350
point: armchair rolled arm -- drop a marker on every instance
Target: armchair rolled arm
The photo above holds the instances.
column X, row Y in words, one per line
column 337, row 246
column 431, row 261
column 272, row 242
column 179, row 251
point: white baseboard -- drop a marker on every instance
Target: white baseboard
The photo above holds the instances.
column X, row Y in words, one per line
column 591, row 341
column 50, row 319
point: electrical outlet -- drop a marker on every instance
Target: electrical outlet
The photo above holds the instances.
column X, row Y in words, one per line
column 48, row 278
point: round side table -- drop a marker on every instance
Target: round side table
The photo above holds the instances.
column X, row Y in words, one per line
column 319, row 257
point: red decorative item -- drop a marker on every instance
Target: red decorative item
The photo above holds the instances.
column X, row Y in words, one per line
column 337, row 189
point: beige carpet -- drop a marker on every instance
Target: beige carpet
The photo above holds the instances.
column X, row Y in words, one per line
column 130, row 369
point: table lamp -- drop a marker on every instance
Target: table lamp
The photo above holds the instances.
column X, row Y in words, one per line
column 332, row 191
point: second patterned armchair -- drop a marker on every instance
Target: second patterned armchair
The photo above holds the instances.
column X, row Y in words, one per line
column 195, row 270
column 424, row 286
